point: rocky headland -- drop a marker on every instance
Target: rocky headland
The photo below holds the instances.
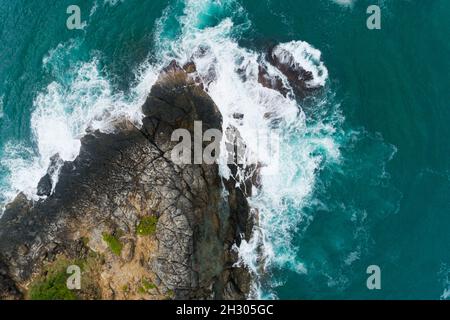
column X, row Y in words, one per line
column 137, row 225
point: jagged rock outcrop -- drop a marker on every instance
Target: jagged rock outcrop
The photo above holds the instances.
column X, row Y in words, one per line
column 300, row 80
column 271, row 82
column 119, row 180
column 45, row 185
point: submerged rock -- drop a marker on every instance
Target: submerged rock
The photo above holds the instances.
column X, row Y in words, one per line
column 271, row 82
column 301, row 65
column 118, row 180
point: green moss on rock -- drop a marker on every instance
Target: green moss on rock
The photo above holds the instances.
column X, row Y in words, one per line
column 53, row 284
column 147, row 226
column 113, row 243
column 146, row 286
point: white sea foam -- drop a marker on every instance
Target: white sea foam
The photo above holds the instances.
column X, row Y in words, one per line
column 302, row 54
column 345, row 2
column 444, row 278
column 230, row 73
column 24, row 170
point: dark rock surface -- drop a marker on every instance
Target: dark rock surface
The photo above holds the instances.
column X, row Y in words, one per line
column 118, row 179
column 274, row 83
column 8, row 289
column 44, row 187
column 298, row 77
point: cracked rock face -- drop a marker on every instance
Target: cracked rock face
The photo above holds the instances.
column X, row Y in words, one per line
column 117, row 180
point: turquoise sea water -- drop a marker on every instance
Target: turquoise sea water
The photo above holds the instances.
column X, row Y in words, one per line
column 366, row 165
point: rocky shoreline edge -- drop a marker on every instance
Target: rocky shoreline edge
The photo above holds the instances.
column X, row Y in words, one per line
column 131, row 221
